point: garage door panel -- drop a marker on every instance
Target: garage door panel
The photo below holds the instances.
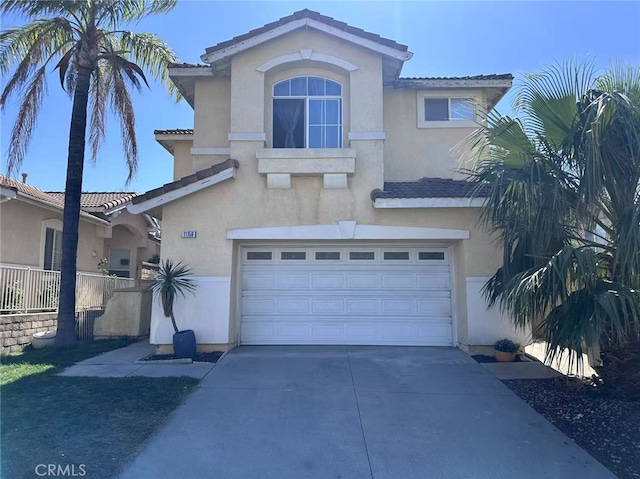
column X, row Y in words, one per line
column 363, row 280
column 288, row 280
column 327, row 280
column 402, row 298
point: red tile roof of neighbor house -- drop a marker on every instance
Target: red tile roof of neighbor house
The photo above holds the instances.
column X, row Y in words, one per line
column 428, row 188
column 315, row 16
column 185, row 181
column 54, row 199
column 99, row 199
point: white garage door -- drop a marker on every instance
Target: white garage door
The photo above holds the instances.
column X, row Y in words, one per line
column 346, row 295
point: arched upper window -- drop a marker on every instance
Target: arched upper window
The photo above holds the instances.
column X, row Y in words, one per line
column 307, row 113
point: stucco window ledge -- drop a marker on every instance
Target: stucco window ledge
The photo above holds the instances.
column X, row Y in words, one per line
column 306, row 161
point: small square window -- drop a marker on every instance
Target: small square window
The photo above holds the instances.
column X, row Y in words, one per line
column 436, row 109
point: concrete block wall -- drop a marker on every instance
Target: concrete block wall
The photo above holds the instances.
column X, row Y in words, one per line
column 16, row 330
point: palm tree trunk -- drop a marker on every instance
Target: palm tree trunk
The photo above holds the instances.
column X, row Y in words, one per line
column 66, row 333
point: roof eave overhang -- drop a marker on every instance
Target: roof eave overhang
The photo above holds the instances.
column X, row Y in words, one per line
column 167, row 140
column 184, row 78
column 417, row 84
column 163, row 199
column 397, row 203
column 280, row 30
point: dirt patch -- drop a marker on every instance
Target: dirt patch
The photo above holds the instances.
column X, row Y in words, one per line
column 606, row 427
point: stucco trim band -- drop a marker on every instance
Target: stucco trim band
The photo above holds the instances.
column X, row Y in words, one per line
column 367, row 135
column 428, row 202
column 307, row 54
column 346, row 230
column 247, row 136
column 181, row 192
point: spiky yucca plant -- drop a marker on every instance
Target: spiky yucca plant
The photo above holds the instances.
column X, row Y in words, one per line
column 172, row 280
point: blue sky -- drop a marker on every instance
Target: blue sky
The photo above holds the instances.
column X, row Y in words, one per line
column 447, row 39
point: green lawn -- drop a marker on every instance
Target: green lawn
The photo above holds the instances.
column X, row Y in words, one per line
column 99, row 423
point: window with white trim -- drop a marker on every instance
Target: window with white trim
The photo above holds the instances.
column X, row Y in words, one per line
column 449, row 109
column 52, row 249
column 307, row 113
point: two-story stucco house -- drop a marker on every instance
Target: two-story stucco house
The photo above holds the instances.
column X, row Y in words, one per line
column 317, row 198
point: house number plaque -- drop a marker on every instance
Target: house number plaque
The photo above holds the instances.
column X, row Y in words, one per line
column 188, row 234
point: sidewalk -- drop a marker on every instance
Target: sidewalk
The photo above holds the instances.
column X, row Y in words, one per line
column 121, row 363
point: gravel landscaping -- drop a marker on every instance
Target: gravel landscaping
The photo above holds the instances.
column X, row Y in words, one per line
column 607, row 428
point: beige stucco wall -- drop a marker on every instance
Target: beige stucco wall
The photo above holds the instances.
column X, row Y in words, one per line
column 22, row 236
column 182, row 163
column 412, row 152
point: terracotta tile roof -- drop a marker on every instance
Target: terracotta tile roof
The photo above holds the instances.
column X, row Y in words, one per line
column 176, row 131
column 188, row 65
column 493, row 76
column 31, row 191
column 427, row 188
column 315, row 16
column 99, row 199
column 53, row 199
column 185, row 181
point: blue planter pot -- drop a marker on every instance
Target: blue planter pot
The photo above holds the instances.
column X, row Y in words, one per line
column 184, row 344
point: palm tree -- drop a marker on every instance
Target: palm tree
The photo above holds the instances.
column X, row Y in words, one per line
column 98, row 62
column 563, row 199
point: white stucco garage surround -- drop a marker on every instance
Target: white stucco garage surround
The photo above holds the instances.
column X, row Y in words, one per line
column 216, row 310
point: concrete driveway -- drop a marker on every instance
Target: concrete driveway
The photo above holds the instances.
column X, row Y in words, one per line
column 357, row 412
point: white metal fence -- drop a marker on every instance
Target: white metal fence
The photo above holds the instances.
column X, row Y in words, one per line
column 31, row 290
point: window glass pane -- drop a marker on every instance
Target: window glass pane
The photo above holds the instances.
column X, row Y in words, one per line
column 357, row 255
column 316, row 112
column 281, row 89
column 288, row 123
column 327, row 255
column 293, row 255
column 436, row 109
column 315, row 137
column 316, row 86
column 257, row 255
column 48, row 248
column 431, row 255
column 299, row 86
column 57, row 251
column 333, row 139
column 333, row 112
column 334, row 88
column 391, row 255
column 462, row 109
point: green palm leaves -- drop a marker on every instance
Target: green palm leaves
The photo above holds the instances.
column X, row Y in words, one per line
column 563, row 200
column 73, row 35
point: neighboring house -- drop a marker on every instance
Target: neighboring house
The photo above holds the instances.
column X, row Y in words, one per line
column 317, row 197
column 31, row 230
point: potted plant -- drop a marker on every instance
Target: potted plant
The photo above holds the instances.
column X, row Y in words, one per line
column 172, row 280
column 505, row 350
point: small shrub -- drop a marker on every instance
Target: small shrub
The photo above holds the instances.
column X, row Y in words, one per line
column 506, row 345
